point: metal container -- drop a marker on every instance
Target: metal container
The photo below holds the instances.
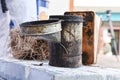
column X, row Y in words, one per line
column 68, row 52
column 90, row 36
column 46, row 29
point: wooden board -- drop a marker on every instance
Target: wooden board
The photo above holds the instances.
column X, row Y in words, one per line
column 88, row 35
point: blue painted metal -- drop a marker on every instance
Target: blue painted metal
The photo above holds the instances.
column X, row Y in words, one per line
column 114, row 16
column 41, row 3
column 11, row 24
column 37, row 5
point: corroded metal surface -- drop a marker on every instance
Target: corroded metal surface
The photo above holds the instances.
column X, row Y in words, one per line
column 68, row 52
column 88, row 35
column 47, row 29
column 40, row 27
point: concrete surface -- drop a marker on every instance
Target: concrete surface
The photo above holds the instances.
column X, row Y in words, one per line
column 108, row 60
column 13, row 69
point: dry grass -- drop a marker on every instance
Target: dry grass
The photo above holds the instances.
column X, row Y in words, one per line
column 24, row 47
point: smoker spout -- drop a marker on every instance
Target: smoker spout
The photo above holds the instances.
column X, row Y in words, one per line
column 47, row 29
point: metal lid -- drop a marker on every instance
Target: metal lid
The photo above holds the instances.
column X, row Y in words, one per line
column 66, row 18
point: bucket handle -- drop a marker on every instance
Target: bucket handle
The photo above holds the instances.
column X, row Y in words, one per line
column 64, row 48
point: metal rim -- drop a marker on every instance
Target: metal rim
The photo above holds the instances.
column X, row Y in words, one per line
column 37, row 23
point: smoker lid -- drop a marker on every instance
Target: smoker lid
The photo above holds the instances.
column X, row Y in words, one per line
column 66, row 18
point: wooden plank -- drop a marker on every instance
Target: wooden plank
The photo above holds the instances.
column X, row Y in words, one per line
column 115, row 27
column 119, row 43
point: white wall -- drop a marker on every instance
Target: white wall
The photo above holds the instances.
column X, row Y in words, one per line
column 58, row 7
column 97, row 3
column 22, row 10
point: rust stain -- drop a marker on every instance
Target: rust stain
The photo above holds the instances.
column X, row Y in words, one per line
column 88, row 35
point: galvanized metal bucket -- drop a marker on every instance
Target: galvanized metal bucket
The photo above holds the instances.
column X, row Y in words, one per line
column 46, row 29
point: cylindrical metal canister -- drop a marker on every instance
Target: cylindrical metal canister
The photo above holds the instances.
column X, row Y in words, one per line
column 68, row 52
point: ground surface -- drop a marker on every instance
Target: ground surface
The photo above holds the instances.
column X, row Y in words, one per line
column 108, row 61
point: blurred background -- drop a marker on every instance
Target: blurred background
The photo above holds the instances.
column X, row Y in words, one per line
column 106, row 51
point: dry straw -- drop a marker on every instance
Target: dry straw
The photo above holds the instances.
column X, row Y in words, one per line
column 24, row 47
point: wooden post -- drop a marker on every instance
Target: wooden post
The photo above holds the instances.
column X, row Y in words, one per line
column 119, row 43
column 71, row 5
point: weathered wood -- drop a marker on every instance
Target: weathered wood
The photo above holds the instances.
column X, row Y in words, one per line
column 88, row 35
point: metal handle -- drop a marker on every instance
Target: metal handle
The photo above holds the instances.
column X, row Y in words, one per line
column 4, row 6
column 112, row 33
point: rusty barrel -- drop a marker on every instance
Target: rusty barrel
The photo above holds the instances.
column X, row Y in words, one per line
column 68, row 52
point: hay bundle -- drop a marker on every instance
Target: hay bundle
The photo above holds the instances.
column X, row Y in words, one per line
column 24, row 47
